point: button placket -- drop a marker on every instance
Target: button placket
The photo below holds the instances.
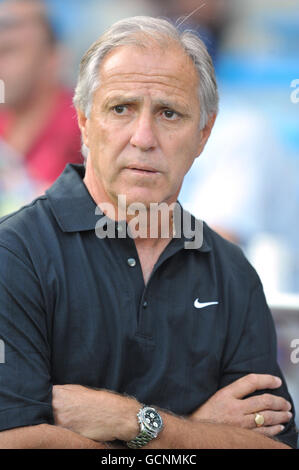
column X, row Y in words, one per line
column 145, row 319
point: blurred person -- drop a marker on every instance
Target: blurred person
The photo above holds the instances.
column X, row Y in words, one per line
column 102, row 327
column 39, row 133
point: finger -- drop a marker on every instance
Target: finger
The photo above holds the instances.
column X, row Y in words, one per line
column 266, row 401
column 252, row 382
column 269, row 430
column 271, row 418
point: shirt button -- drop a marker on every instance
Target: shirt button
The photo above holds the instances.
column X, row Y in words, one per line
column 131, row 262
column 145, row 304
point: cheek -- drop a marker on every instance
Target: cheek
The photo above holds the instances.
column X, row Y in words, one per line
column 101, row 135
column 106, row 142
column 98, row 141
column 192, row 148
column 182, row 156
column 104, row 150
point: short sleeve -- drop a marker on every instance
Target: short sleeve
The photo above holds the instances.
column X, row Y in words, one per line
column 25, row 385
column 255, row 351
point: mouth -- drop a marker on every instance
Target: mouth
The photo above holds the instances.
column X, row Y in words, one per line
column 143, row 169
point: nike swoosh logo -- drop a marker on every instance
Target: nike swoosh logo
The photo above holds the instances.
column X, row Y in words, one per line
column 198, row 304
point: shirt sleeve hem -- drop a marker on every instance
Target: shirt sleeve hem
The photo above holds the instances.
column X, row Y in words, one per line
column 29, row 415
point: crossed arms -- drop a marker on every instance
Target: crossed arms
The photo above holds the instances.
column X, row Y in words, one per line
column 89, row 418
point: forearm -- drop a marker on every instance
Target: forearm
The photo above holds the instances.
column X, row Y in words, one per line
column 102, row 415
column 45, row 436
column 179, row 433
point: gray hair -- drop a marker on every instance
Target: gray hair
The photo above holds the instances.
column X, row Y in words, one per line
column 138, row 31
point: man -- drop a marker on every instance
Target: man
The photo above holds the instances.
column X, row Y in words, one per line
column 97, row 328
column 39, row 134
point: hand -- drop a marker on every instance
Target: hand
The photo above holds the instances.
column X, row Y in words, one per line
column 228, row 405
column 99, row 415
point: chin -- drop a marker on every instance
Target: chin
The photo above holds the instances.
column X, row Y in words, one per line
column 137, row 195
column 146, row 202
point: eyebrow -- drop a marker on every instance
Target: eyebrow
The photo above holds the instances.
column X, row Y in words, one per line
column 120, row 99
column 163, row 103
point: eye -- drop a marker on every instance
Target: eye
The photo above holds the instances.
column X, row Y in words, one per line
column 119, row 109
column 170, row 114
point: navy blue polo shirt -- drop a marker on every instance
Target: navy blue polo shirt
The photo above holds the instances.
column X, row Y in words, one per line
column 75, row 310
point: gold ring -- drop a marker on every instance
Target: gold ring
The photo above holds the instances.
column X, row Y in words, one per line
column 259, row 420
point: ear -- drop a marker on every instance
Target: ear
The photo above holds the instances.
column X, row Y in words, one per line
column 205, row 133
column 83, row 123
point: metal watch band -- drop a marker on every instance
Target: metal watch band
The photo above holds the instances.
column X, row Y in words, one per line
column 146, row 415
column 141, row 440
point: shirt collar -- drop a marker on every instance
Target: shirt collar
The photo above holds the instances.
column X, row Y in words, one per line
column 75, row 210
column 70, row 201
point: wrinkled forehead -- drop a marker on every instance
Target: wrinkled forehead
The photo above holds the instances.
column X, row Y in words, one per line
column 148, row 74
column 152, row 61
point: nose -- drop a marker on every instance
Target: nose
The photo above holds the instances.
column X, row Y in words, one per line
column 143, row 136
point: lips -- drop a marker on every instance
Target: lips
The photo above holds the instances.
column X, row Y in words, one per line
column 142, row 168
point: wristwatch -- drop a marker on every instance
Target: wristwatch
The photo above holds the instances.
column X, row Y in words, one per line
column 151, row 424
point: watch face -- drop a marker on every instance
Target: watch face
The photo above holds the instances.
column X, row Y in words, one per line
column 152, row 419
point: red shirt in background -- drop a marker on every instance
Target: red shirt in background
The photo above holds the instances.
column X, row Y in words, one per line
column 58, row 143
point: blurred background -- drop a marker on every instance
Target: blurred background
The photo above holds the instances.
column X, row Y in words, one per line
column 246, row 182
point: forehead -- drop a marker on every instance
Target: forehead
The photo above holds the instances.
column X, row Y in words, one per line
column 150, row 67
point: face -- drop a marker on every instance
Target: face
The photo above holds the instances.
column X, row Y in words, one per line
column 23, row 54
column 143, row 131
